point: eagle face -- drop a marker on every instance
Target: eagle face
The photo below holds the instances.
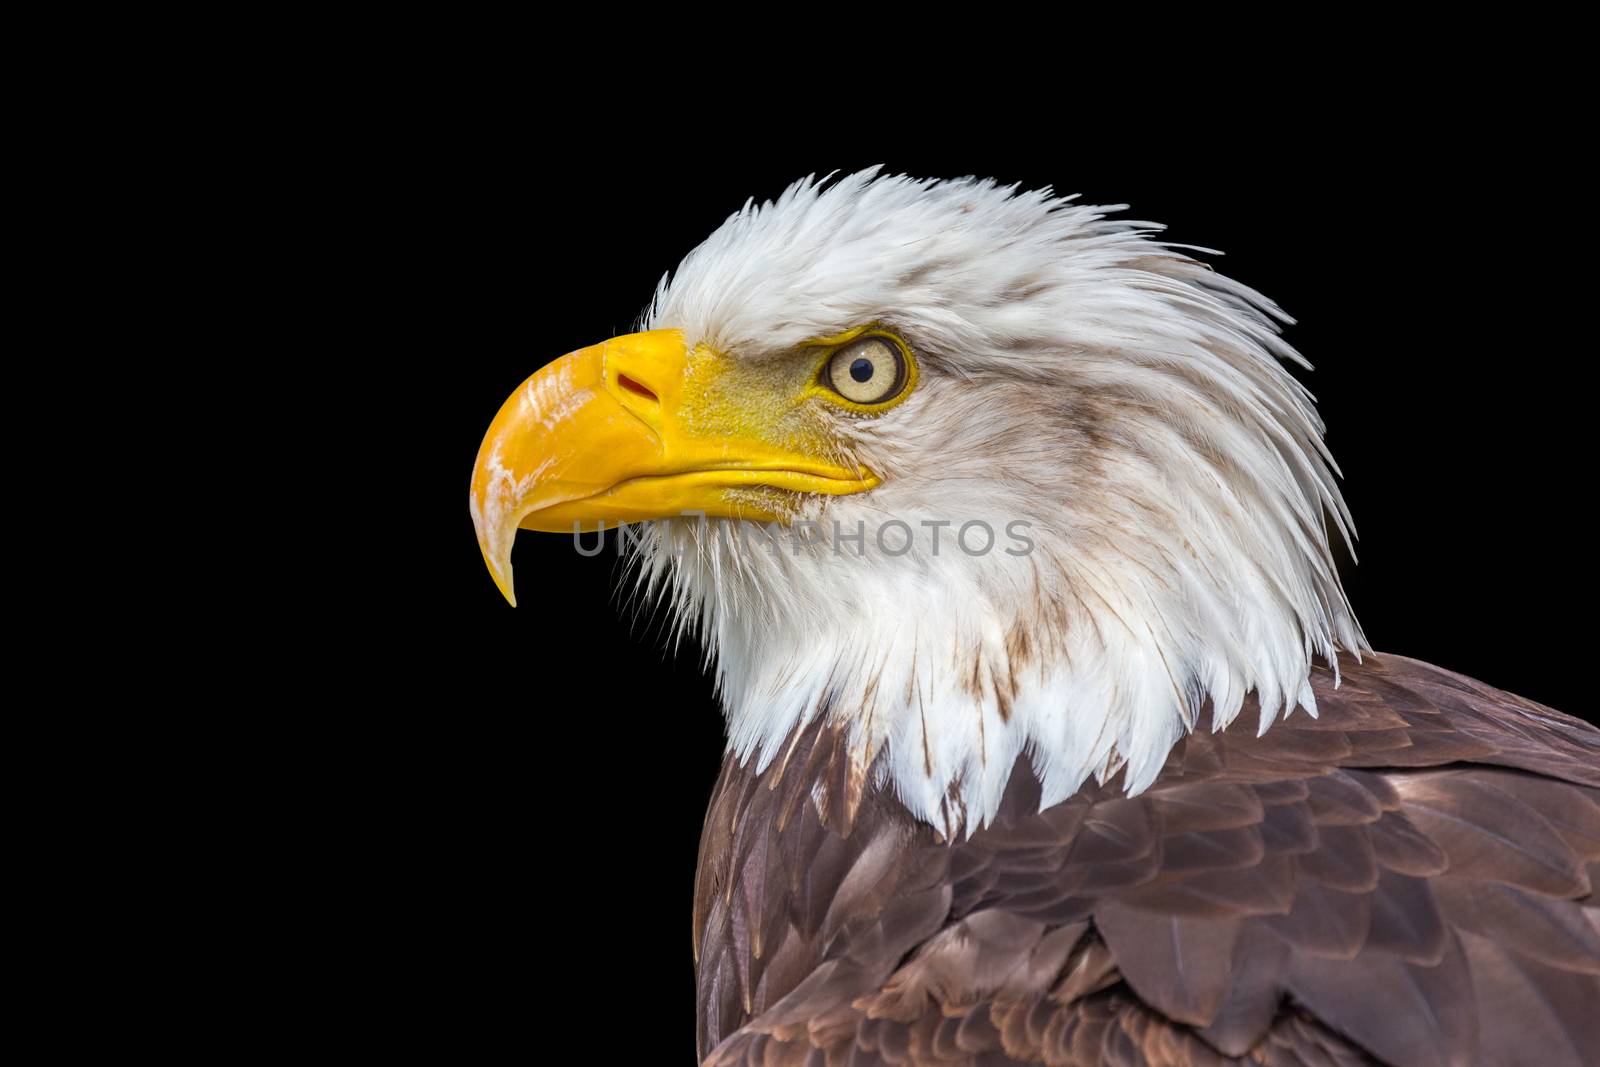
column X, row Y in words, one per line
column 968, row 471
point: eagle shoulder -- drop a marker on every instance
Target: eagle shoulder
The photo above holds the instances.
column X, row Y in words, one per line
column 1407, row 878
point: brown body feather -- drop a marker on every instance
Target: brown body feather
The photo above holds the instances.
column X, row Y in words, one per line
column 1407, row 879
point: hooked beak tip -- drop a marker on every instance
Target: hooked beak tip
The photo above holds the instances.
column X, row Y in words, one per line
column 501, row 573
column 496, row 551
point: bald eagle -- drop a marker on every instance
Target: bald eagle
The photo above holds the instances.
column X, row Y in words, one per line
column 1051, row 735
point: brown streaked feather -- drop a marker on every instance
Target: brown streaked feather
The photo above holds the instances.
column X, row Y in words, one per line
column 1180, row 966
column 1408, row 878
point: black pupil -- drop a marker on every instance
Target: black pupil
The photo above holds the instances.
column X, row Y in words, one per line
column 861, row 370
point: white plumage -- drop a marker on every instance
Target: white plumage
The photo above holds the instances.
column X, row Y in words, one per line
column 1078, row 375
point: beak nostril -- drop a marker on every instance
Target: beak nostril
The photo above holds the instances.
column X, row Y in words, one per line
column 637, row 388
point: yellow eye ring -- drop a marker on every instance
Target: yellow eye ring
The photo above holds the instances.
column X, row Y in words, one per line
column 867, row 369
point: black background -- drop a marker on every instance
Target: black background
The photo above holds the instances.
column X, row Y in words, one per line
column 554, row 781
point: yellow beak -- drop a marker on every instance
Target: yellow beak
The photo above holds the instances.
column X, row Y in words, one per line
column 611, row 434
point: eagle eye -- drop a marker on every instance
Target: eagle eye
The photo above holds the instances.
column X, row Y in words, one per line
column 867, row 371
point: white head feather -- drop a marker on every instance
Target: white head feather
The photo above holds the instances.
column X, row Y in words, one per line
column 1119, row 396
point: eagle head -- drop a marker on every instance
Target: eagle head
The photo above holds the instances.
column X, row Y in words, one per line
column 970, row 471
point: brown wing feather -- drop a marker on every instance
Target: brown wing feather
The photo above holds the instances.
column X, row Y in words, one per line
column 1405, row 879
